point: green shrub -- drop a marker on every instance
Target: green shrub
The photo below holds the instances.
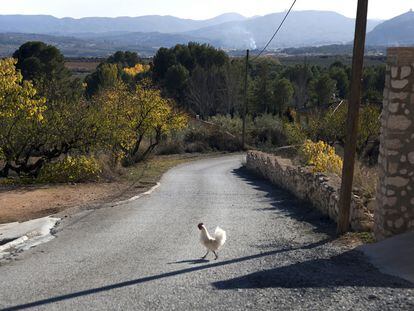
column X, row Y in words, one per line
column 330, row 126
column 197, row 147
column 221, row 141
column 195, row 134
column 171, row 147
column 267, row 130
column 71, row 169
column 295, row 134
column 230, row 124
column 202, row 139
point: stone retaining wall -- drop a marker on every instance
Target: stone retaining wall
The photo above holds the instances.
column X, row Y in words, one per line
column 321, row 190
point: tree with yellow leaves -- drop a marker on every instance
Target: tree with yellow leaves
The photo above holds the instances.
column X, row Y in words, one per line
column 130, row 119
column 17, row 97
column 35, row 130
column 137, row 69
column 321, row 157
column 20, row 111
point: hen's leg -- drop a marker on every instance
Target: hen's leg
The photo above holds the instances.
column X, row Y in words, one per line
column 215, row 255
column 204, row 257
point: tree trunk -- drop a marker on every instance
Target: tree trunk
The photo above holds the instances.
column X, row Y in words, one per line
column 4, row 172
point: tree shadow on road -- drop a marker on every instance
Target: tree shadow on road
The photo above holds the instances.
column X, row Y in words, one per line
column 190, row 261
column 346, row 269
column 286, row 204
column 155, row 277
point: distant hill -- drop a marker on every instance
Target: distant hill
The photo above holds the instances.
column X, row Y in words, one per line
column 333, row 49
column 155, row 40
column 71, row 47
column 100, row 36
column 231, row 30
column 398, row 31
column 100, row 46
column 302, row 28
column 45, row 24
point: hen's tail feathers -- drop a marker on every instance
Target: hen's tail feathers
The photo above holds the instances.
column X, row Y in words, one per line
column 220, row 236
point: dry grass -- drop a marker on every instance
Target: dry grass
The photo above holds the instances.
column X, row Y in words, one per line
column 355, row 239
column 366, row 180
column 82, row 67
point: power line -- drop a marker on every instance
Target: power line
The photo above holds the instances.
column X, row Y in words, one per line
column 277, row 30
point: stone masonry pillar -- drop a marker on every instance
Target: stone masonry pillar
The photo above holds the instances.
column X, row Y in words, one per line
column 394, row 213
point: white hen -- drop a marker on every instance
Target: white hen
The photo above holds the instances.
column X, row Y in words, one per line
column 212, row 243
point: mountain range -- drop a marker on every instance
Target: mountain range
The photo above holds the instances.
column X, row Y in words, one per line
column 397, row 31
column 45, row 24
column 100, row 36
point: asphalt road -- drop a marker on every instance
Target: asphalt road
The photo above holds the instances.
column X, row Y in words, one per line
column 280, row 255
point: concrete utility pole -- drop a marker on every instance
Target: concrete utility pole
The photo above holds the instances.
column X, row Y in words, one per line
column 353, row 116
column 245, row 101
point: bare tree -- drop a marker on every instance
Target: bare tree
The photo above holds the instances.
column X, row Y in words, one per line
column 230, row 92
column 202, row 93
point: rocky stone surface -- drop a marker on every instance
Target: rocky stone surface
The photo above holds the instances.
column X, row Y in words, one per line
column 322, row 190
column 394, row 213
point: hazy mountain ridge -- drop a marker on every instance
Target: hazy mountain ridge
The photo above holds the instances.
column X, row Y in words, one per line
column 302, row 28
column 394, row 32
column 99, row 36
column 70, row 46
column 46, row 24
column 145, row 43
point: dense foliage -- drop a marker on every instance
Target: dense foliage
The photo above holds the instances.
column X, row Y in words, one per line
column 71, row 169
column 124, row 67
column 46, row 114
column 130, row 118
column 200, row 77
column 128, row 107
column 206, row 82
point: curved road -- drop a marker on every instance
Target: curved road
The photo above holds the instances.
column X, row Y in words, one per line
column 143, row 255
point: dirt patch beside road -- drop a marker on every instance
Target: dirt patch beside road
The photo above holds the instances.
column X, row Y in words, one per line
column 37, row 201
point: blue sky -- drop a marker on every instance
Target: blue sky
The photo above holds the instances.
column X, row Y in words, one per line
column 379, row 9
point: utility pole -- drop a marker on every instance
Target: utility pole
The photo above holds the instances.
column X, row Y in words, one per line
column 245, row 101
column 353, row 115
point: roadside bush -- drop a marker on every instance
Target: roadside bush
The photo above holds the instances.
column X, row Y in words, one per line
column 201, row 139
column 197, row 147
column 330, row 126
column 267, row 130
column 295, row 135
column 170, row 147
column 71, row 169
column 194, row 134
column 227, row 123
column 221, row 141
column 321, row 157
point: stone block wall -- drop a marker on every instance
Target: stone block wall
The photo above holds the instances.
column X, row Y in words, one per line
column 321, row 190
column 394, row 213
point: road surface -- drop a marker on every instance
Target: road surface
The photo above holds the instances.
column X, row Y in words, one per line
column 144, row 255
